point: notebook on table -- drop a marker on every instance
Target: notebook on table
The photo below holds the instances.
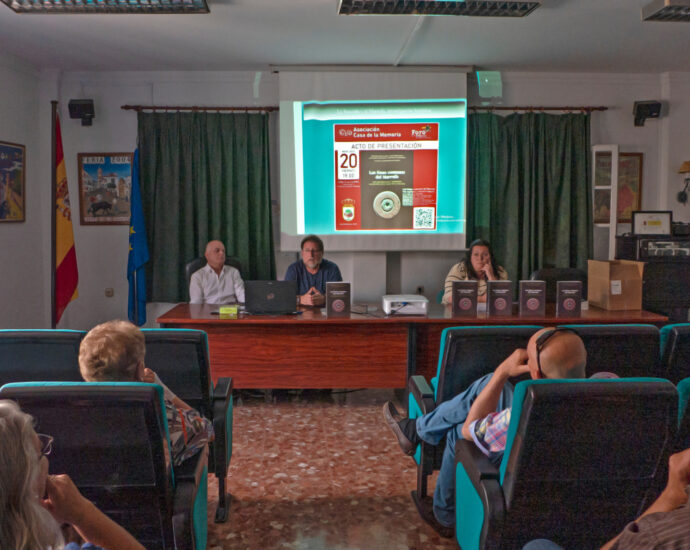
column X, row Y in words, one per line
column 270, row 297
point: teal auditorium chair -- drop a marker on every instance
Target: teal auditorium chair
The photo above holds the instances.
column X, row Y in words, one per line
column 112, row 440
column 581, row 459
column 181, row 359
column 34, row 355
column 683, row 441
column 675, row 351
column 626, row 350
column 466, row 354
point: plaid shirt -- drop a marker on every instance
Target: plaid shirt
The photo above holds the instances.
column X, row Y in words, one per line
column 489, row 434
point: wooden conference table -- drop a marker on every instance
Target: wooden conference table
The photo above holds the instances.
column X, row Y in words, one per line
column 366, row 350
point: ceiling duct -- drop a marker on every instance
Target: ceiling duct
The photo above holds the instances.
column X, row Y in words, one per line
column 667, row 10
column 479, row 8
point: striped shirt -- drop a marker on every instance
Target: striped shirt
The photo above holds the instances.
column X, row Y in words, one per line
column 661, row 531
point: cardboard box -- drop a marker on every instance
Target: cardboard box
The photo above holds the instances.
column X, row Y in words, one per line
column 615, row 285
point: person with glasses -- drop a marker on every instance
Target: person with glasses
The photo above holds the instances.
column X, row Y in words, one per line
column 482, row 412
column 34, row 505
column 312, row 272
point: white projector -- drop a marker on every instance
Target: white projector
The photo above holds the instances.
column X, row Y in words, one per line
column 405, row 304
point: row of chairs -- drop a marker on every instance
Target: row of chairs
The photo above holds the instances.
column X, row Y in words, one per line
column 468, row 353
column 181, row 359
column 582, row 459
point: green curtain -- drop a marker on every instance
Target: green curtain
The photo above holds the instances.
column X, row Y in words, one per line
column 204, row 176
column 529, row 189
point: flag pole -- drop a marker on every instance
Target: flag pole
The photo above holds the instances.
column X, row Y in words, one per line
column 53, row 206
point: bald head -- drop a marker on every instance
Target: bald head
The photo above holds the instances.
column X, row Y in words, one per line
column 563, row 355
column 215, row 255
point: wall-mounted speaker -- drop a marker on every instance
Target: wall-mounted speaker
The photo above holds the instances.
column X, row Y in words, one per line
column 642, row 110
column 83, row 109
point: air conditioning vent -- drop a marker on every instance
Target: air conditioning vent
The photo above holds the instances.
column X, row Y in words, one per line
column 667, row 10
column 479, row 8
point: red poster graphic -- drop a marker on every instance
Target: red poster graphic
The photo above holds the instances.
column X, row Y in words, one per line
column 386, row 176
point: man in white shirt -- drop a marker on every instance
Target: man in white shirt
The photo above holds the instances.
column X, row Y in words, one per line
column 216, row 283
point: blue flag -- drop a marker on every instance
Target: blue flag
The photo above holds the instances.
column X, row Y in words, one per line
column 138, row 251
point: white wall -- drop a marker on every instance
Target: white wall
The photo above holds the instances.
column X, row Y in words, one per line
column 23, row 266
column 102, row 250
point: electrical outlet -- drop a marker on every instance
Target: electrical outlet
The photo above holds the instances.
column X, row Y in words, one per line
column 420, row 290
column 109, row 292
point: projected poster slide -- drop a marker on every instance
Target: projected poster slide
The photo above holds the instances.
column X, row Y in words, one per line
column 386, row 176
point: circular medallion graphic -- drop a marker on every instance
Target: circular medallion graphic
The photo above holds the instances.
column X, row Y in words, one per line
column 386, row 204
column 500, row 303
column 338, row 305
column 465, row 304
column 532, row 304
column 569, row 304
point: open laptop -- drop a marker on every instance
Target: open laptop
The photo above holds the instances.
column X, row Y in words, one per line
column 270, row 297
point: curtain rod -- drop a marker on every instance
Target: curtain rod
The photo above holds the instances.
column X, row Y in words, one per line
column 154, row 108
column 587, row 108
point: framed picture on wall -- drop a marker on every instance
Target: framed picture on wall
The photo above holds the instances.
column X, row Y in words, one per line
column 12, row 178
column 105, row 185
column 629, row 185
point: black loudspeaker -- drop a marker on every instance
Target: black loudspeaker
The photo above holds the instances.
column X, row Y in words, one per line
column 643, row 110
column 83, row 109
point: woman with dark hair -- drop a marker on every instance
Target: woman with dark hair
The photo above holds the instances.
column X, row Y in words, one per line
column 479, row 265
column 34, row 504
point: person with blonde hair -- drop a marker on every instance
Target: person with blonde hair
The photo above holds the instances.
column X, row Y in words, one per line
column 114, row 352
column 34, row 504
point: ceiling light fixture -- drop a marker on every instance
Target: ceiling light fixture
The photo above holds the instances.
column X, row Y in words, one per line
column 667, row 10
column 479, row 8
column 108, row 6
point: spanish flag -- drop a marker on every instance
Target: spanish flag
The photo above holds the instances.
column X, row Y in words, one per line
column 66, row 274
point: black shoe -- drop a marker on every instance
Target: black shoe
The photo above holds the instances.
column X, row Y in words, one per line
column 393, row 419
column 426, row 511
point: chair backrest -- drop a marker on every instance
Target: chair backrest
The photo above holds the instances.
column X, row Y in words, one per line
column 197, row 263
column 683, row 440
column 582, row 455
column 35, row 355
column 554, row 274
column 112, row 440
column 675, row 351
column 180, row 358
column 467, row 353
column 626, row 350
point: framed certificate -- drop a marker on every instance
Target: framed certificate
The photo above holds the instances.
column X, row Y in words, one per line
column 647, row 222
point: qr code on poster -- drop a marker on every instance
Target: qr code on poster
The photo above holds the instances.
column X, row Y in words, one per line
column 423, row 218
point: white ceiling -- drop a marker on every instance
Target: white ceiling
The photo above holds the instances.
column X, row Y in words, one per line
column 561, row 35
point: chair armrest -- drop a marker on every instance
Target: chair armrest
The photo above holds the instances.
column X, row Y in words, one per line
column 422, row 393
column 189, row 478
column 221, row 404
column 223, row 389
column 476, row 463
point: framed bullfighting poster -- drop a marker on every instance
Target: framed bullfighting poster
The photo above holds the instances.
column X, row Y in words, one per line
column 105, row 186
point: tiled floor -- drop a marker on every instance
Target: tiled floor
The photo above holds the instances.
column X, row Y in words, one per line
column 319, row 473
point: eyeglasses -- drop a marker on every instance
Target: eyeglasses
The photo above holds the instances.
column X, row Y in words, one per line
column 314, row 251
column 541, row 343
column 46, row 444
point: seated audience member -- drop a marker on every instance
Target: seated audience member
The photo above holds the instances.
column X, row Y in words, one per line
column 482, row 412
column 665, row 525
column 114, row 352
column 34, row 504
column 216, row 283
column 479, row 265
column 312, row 272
